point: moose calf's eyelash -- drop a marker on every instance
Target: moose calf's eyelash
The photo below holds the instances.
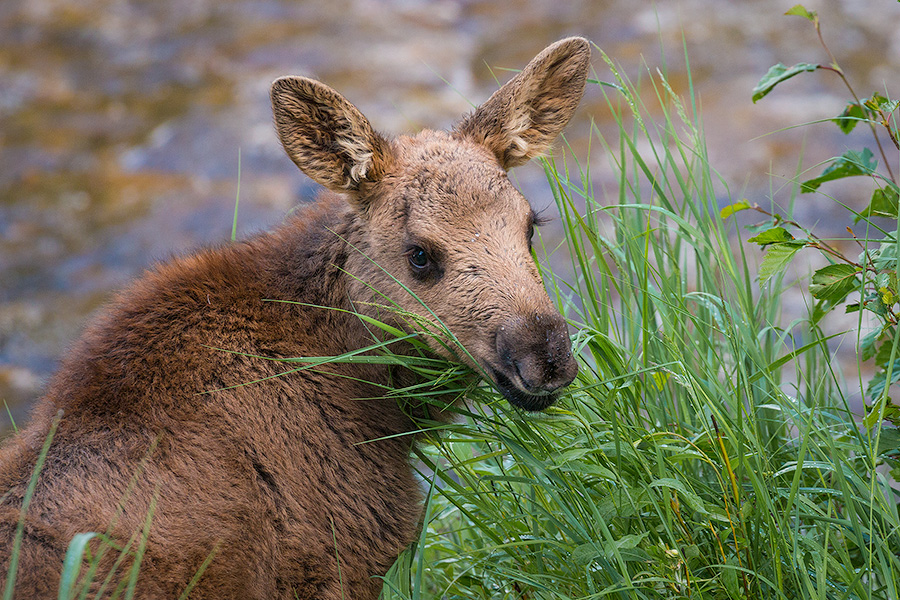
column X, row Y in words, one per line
column 539, row 218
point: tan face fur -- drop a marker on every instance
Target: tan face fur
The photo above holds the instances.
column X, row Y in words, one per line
column 437, row 212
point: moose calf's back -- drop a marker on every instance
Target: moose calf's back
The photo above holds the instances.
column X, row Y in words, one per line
column 182, row 441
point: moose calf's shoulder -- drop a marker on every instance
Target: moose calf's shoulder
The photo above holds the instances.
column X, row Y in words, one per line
column 180, row 435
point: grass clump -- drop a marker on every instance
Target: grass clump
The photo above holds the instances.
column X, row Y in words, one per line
column 706, row 450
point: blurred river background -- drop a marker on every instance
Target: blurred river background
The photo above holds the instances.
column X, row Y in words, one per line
column 121, row 120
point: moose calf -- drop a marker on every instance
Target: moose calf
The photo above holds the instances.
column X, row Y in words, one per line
column 181, row 441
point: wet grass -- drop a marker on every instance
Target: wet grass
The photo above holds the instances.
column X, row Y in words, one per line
column 706, row 450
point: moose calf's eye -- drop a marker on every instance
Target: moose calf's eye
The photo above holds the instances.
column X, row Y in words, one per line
column 418, row 258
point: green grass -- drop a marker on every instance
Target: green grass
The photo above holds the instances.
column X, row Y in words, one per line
column 706, row 450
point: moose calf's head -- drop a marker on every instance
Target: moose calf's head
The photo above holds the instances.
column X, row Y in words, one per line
column 437, row 213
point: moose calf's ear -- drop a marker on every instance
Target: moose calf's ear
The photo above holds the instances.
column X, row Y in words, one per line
column 326, row 136
column 521, row 119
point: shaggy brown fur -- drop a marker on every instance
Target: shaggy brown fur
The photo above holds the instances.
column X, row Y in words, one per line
column 272, row 478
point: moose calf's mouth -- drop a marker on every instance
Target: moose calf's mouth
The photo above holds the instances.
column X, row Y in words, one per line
column 518, row 397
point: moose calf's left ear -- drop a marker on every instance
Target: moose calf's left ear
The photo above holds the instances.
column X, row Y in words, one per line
column 523, row 117
column 326, row 136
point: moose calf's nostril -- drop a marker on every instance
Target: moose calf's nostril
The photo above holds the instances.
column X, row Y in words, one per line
column 534, row 353
column 530, row 376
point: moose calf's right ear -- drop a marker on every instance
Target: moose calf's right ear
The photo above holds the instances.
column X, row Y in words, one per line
column 521, row 119
column 326, row 136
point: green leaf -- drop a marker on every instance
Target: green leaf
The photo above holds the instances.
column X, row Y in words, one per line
column 774, row 235
column 890, row 107
column 884, row 203
column 874, row 304
column 585, row 554
column 883, row 409
column 760, row 227
column 833, row 283
column 878, row 102
column 777, row 74
column 891, row 413
column 630, row 541
column 852, row 115
column 890, row 440
column 729, row 578
column 626, row 547
column 879, row 382
column 777, row 258
column 819, row 310
column 801, row 11
column 895, row 470
column 867, row 345
column 805, row 465
column 867, row 109
column 849, row 164
column 884, row 259
column 733, row 208
column 687, row 496
column 883, row 356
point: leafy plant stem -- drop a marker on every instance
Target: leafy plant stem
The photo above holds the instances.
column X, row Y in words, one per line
column 840, row 72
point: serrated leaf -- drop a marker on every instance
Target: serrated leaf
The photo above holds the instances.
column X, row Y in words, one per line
column 867, row 345
column 773, row 235
column 895, row 471
column 777, row 74
column 848, row 119
column 848, row 164
column 867, row 109
column 884, row 203
column 877, row 384
column 819, row 311
column 891, row 413
column 876, row 305
column 884, row 259
column 833, row 283
column 890, row 107
column 883, row 283
column 801, row 11
column 883, row 356
column 733, row 208
column 882, row 409
column 776, row 259
column 890, row 440
column 760, row 227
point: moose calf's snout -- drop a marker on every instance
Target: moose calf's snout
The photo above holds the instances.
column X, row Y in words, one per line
column 535, row 356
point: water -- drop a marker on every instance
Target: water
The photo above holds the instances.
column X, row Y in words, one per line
column 121, row 122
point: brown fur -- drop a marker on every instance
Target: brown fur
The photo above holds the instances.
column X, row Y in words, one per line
column 272, row 478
